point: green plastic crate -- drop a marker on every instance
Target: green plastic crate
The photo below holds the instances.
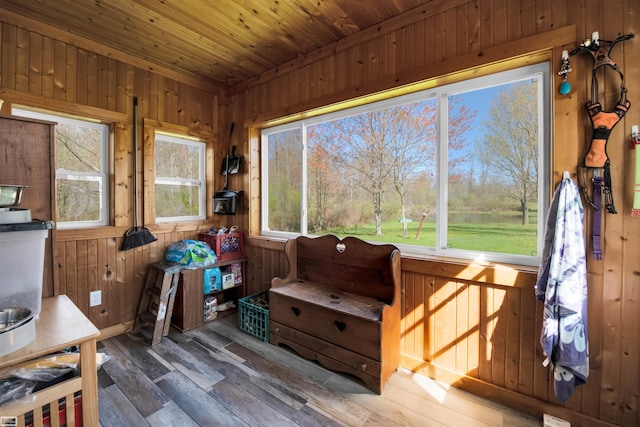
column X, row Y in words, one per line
column 253, row 319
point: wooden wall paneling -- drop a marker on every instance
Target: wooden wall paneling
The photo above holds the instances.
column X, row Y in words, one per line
column 486, row 25
column 499, row 20
column 71, row 73
column 498, row 337
column 610, row 407
column 111, row 90
column 92, row 82
column 122, row 87
column 59, row 70
column 429, row 319
column 35, row 64
column 560, row 13
column 515, row 19
column 473, row 333
column 473, row 27
column 543, row 15
column 451, row 33
column 416, row 36
column 71, row 276
column 125, row 281
column 630, row 315
column 527, row 343
column 115, row 300
column 171, row 102
column 82, row 77
column 8, row 72
column 388, row 61
column 486, row 331
column 22, row 60
column 48, row 47
column 182, row 106
column 101, row 317
column 444, row 331
column 61, row 267
column 513, row 355
column 123, row 179
column 439, row 47
column 408, row 309
column 528, row 18
column 462, row 327
column 358, row 64
column 81, row 267
column 147, row 199
column 91, row 277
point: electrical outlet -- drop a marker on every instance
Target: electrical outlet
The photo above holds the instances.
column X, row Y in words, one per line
column 95, row 298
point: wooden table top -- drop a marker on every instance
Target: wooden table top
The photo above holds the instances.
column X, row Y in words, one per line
column 61, row 324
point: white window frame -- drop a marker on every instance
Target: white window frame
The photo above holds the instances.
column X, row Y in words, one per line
column 101, row 177
column 200, row 183
column 538, row 71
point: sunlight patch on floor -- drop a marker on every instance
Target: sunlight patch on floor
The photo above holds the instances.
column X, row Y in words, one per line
column 437, row 390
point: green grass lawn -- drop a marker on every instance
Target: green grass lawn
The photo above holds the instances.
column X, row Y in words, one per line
column 496, row 237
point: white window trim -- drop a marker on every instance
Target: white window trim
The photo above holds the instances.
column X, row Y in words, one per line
column 539, row 71
column 200, row 183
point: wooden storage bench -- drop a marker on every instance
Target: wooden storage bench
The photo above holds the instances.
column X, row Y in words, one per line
column 340, row 305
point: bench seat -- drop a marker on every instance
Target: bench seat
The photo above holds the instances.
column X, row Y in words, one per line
column 339, row 305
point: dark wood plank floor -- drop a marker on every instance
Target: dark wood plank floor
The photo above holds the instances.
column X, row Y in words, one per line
column 218, row 376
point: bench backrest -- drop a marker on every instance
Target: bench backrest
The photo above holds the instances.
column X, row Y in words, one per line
column 351, row 265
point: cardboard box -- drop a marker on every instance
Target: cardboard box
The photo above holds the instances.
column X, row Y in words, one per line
column 227, row 281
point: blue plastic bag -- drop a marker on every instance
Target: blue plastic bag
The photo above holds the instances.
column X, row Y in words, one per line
column 191, row 254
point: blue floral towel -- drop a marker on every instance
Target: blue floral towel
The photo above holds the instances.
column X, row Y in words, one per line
column 562, row 285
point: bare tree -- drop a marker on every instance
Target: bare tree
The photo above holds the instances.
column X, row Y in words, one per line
column 367, row 140
column 511, row 141
column 413, row 146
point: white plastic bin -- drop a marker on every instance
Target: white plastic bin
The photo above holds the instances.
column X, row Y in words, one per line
column 22, row 267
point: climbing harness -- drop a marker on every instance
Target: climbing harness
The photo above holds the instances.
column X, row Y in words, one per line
column 602, row 123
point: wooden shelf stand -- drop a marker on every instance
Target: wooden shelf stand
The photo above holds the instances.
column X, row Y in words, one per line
column 188, row 308
column 61, row 324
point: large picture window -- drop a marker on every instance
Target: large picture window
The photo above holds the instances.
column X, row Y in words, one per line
column 82, row 184
column 179, row 178
column 459, row 170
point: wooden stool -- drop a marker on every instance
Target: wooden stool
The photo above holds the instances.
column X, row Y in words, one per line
column 156, row 304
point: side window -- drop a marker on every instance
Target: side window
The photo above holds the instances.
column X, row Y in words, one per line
column 180, row 179
column 82, row 179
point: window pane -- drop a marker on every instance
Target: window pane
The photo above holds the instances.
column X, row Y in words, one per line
column 493, row 170
column 82, row 193
column 78, row 149
column 367, row 171
column 177, row 200
column 177, row 160
column 285, row 181
column 180, row 178
column 78, row 199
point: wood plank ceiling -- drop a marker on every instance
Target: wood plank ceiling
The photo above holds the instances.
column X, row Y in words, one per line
column 224, row 42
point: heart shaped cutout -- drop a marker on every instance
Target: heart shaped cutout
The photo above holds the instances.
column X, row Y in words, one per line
column 340, row 325
column 295, row 311
column 340, row 247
